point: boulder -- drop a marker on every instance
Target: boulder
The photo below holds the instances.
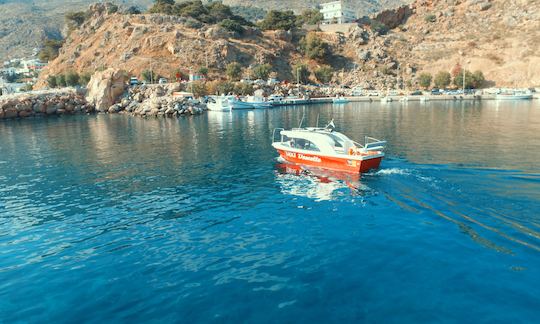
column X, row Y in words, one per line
column 106, row 87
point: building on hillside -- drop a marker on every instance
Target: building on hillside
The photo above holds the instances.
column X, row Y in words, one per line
column 337, row 12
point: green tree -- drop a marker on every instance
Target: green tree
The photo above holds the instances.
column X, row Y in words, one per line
column 314, row 47
column 309, row 17
column 458, row 80
column 262, row 71
column 425, row 80
column 276, row 20
column 72, row 79
column 61, row 80
column 50, row 49
column 478, row 79
column 301, row 73
column 442, row 79
column 234, row 71
column 324, row 74
column 51, row 81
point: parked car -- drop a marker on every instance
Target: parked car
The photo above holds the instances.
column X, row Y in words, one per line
column 133, row 81
column 416, row 93
column 436, row 91
column 162, row 81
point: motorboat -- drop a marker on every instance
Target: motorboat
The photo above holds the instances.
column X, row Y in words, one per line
column 327, row 149
column 340, row 100
column 516, row 95
column 219, row 103
column 258, row 102
column 424, row 99
column 238, row 103
column 386, row 99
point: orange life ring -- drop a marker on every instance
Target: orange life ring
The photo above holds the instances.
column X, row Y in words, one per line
column 351, row 151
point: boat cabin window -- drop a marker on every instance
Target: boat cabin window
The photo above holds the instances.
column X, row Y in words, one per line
column 301, row 144
column 338, row 142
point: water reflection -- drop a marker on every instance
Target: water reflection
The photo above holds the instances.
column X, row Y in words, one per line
column 317, row 184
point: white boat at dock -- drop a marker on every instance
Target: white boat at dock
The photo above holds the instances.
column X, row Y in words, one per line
column 219, row 103
column 340, row 100
column 516, row 95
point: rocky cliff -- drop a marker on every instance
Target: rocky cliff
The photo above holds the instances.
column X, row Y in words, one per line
column 499, row 37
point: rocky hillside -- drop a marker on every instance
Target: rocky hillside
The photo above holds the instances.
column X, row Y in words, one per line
column 498, row 37
column 24, row 24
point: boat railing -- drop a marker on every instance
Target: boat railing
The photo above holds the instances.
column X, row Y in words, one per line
column 372, row 144
column 278, row 138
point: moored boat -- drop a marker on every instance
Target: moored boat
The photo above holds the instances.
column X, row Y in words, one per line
column 237, row 103
column 327, row 149
column 514, row 96
column 258, row 102
column 340, row 100
column 219, row 103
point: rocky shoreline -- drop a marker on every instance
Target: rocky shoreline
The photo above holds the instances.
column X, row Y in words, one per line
column 106, row 93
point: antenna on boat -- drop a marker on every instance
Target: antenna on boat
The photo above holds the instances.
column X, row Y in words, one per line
column 330, row 125
column 302, row 120
column 317, row 126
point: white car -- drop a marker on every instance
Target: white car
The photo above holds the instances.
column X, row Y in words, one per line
column 162, row 81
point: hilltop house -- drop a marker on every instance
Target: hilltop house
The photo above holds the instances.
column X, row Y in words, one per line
column 337, row 12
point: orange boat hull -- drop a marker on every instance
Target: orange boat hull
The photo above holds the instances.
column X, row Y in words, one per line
column 331, row 163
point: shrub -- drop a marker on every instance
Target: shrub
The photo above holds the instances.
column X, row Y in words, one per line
column 199, row 89
column 163, row 6
column 224, row 87
column 232, row 26
column 112, row 9
column 314, row 47
column 75, row 19
column 324, row 74
column 278, row 20
column 378, row 27
column 301, row 73
column 72, row 79
column 50, row 49
column 234, row 71
column 425, row 80
column 249, row 13
column 309, row 17
column 262, row 71
column 243, row 89
column 60, row 80
column 84, row 79
column 203, row 71
column 133, row 10
column 149, row 76
column 430, row 18
column 51, row 81
column 442, row 79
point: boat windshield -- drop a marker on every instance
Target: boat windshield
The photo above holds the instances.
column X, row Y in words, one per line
column 300, row 143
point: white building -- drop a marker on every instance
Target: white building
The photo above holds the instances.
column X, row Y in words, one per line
column 337, row 12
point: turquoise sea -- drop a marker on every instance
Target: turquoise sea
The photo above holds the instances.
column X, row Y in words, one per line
column 111, row 218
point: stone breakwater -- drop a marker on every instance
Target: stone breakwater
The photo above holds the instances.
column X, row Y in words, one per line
column 156, row 100
column 44, row 103
column 71, row 101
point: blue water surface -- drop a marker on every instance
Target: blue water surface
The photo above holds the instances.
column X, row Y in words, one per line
column 122, row 219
